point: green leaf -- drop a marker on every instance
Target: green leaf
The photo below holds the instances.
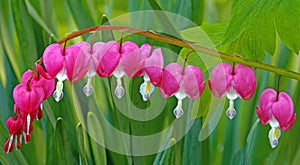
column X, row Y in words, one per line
column 25, row 33
column 80, row 141
column 2, row 65
column 162, row 19
column 106, row 35
column 62, row 142
column 167, row 156
column 243, row 155
column 212, row 118
column 191, row 153
column 95, row 131
column 34, row 14
column 81, row 13
column 254, row 25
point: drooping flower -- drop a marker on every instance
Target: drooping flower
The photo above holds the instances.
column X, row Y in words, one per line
column 59, row 63
column 234, row 82
column 14, row 126
column 151, row 68
column 119, row 61
column 89, row 57
column 28, row 99
column 48, row 85
column 276, row 109
column 181, row 83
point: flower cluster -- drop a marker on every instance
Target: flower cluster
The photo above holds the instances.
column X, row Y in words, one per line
column 28, row 97
column 111, row 58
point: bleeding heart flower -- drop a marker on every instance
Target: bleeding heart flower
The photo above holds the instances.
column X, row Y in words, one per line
column 48, row 85
column 181, row 83
column 91, row 56
column 151, row 68
column 14, row 126
column 276, row 109
column 234, row 82
column 59, row 63
column 119, row 61
column 28, row 98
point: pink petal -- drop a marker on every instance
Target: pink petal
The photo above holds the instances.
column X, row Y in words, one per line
column 171, row 78
column 153, row 66
column 47, row 85
column 145, row 51
column 28, row 100
column 283, row 110
column 98, row 50
column 193, row 83
column 26, row 75
column 263, row 119
column 244, row 81
column 14, row 125
column 267, row 99
column 82, row 63
column 221, row 77
column 109, row 59
column 53, row 59
column 130, row 58
column 42, row 72
column 71, row 61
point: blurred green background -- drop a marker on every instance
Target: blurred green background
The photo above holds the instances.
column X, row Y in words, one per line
column 28, row 26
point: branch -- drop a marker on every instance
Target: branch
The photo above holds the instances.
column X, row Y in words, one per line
column 198, row 48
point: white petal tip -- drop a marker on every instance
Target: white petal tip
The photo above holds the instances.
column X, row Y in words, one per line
column 146, row 89
column 274, row 143
column 58, row 96
column 178, row 113
column 88, row 90
column 119, row 92
column 230, row 113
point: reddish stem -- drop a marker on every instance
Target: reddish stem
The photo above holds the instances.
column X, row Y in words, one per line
column 189, row 45
column 121, row 42
column 186, row 58
column 152, row 47
column 233, row 65
column 278, row 87
column 40, row 61
column 64, row 50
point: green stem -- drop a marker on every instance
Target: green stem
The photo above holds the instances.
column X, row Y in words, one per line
column 198, row 48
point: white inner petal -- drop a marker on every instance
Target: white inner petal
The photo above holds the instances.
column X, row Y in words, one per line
column 119, row 90
column 146, row 89
column 231, row 112
column 119, row 73
column 273, row 123
column 91, row 72
column 88, row 88
column 231, row 93
column 178, row 111
column 58, row 94
column 146, row 77
column 274, row 135
column 62, row 75
column 180, row 95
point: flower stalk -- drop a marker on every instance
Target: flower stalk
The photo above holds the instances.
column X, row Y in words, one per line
column 197, row 48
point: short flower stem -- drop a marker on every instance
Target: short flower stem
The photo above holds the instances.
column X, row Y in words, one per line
column 40, row 61
column 186, row 58
column 198, row 48
column 278, row 87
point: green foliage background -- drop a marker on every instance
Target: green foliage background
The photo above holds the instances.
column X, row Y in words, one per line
column 266, row 31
